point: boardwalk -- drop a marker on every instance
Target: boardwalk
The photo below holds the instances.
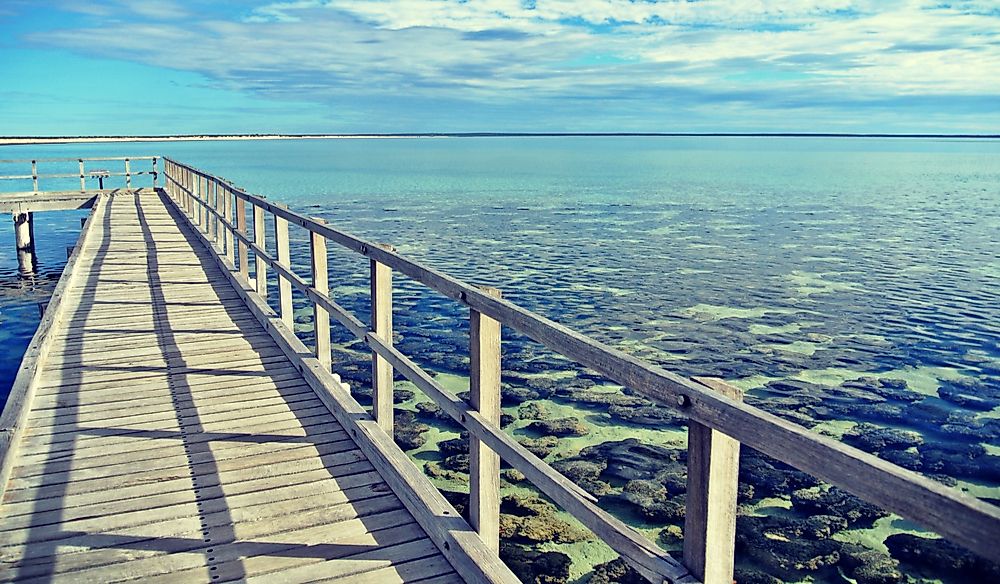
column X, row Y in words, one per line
column 166, row 424
column 170, row 439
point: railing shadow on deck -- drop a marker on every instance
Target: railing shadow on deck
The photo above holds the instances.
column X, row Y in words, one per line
column 718, row 420
column 328, row 449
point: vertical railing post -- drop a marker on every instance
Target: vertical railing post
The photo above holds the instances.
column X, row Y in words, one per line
column 186, row 180
column 34, row 175
column 285, row 259
column 259, row 230
column 241, row 227
column 156, row 174
column 128, row 174
column 83, row 177
column 195, row 195
column 713, row 466
column 213, row 201
column 484, row 397
column 382, row 384
column 188, row 202
column 321, row 282
column 227, row 212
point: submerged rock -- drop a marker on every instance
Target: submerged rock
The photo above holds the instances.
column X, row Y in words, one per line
column 534, row 567
column 868, row 566
column 532, row 411
column 528, row 519
column 585, row 474
column 571, row 426
column 768, row 477
column 652, row 501
column 408, row 431
column 616, row 572
column 840, row 503
column 872, row 438
column 942, row 557
column 974, row 394
column 656, row 416
column 777, row 543
column 540, row 447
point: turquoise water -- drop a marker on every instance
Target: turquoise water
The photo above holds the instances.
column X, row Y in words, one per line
column 789, row 266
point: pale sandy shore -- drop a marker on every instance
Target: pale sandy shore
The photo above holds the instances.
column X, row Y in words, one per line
column 10, row 141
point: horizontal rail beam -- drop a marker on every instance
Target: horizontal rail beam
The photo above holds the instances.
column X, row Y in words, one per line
column 959, row 517
column 92, row 159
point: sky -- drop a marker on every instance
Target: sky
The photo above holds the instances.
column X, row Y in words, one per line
column 82, row 67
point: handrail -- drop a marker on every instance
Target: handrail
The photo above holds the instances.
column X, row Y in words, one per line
column 961, row 518
column 82, row 173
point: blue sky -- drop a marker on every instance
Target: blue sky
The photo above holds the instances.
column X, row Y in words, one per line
column 172, row 66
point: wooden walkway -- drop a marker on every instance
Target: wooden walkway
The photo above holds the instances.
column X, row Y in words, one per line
column 170, row 439
column 166, row 424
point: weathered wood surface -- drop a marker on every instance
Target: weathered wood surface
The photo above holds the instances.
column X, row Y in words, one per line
column 169, row 437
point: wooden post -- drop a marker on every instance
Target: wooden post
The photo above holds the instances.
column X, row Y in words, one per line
column 34, row 175
column 258, row 238
column 128, row 175
column 321, row 282
column 199, row 190
column 156, row 174
column 227, row 212
column 83, row 177
column 285, row 259
column 382, row 385
column 484, row 396
column 213, row 200
column 713, row 479
column 24, row 242
column 241, row 226
column 23, row 231
column 187, row 193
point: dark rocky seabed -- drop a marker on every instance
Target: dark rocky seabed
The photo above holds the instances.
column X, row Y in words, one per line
column 858, row 298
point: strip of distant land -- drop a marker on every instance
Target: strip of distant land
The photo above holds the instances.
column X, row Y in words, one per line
column 13, row 140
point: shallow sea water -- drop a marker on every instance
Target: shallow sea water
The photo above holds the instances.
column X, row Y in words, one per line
column 769, row 262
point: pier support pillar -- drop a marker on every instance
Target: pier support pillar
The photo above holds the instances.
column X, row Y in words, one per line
column 24, row 240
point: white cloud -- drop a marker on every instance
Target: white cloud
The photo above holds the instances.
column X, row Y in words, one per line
column 655, row 56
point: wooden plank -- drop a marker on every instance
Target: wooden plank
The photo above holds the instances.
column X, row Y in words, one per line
column 713, row 468
column 334, row 453
column 165, row 560
column 484, row 397
column 389, row 558
column 321, row 282
column 233, row 560
column 209, row 385
column 26, row 531
column 381, row 319
column 217, row 526
column 294, row 470
column 167, row 400
column 137, row 416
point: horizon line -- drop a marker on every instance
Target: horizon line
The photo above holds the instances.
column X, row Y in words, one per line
column 14, row 140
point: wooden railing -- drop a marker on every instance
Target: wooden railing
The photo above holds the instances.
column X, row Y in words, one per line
column 127, row 171
column 718, row 420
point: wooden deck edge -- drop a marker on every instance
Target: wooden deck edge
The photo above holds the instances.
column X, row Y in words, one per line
column 458, row 542
column 22, row 392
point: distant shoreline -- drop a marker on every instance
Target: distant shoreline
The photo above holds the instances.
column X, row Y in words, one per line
column 19, row 140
